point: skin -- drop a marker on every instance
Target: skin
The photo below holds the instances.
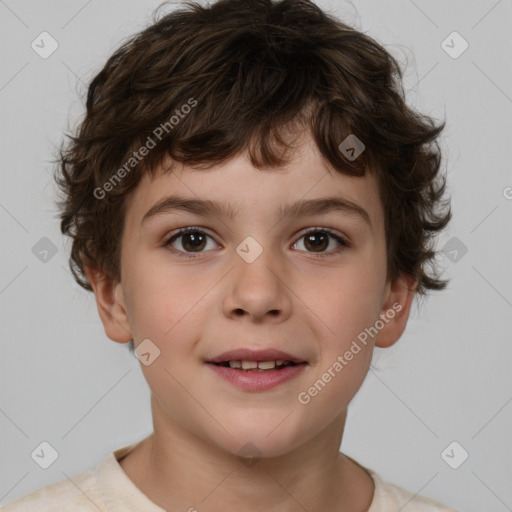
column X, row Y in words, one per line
column 288, row 298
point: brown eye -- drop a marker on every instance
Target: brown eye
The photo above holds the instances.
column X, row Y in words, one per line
column 317, row 240
column 188, row 241
column 194, row 241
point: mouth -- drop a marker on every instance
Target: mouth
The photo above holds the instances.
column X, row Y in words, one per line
column 258, row 370
column 257, row 366
column 255, row 360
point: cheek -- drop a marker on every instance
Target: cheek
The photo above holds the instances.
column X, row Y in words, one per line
column 349, row 302
column 166, row 302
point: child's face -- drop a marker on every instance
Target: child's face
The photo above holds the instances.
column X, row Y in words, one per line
column 300, row 296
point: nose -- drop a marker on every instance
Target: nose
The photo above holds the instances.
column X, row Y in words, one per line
column 258, row 291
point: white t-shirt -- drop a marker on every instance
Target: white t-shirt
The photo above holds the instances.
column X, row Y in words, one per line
column 109, row 489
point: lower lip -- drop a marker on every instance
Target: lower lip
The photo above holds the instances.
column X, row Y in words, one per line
column 257, row 381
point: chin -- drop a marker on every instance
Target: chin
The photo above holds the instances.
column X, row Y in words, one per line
column 254, row 440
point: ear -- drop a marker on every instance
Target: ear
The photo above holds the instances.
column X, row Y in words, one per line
column 398, row 297
column 111, row 305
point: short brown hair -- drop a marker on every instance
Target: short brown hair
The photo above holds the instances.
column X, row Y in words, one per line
column 250, row 69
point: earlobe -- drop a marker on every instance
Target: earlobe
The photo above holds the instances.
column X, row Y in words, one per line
column 111, row 306
column 395, row 310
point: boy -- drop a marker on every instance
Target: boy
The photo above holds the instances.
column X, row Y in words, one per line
column 253, row 205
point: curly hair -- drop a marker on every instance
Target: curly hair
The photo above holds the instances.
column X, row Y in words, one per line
column 203, row 84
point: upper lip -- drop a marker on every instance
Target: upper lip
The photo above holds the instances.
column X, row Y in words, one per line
column 244, row 354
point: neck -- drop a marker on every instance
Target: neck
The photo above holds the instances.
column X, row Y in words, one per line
column 178, row 470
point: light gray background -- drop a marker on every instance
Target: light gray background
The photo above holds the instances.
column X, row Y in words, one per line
column 448, row 378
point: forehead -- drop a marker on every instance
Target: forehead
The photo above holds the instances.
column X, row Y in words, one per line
column 241, row 190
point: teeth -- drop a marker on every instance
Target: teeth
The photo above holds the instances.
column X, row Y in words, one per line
column 266, row 365
column 257, row 365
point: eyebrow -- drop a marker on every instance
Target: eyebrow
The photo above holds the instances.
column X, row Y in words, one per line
column 207, row 207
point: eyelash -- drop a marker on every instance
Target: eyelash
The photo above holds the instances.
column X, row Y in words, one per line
column 341, row 240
